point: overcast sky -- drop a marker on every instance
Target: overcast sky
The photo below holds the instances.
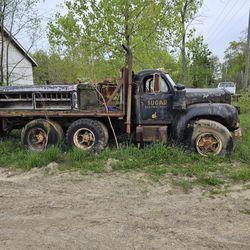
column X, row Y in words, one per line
column 220, row 21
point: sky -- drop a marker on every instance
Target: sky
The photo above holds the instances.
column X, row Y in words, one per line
column 219, row 21
column 222, row 21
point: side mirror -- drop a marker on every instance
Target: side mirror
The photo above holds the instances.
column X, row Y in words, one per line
column 179, row 100
column 179, row 86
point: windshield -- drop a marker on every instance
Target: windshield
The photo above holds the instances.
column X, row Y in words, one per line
column 170, row 80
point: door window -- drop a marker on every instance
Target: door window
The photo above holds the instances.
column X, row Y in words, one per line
column 155, row 84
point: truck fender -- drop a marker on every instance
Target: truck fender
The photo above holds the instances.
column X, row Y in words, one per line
column 221, row 112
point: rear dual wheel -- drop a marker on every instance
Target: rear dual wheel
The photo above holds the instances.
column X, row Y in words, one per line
column 87, row 134
column 40, row 134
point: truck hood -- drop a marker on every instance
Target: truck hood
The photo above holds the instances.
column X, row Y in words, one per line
column 208, row 95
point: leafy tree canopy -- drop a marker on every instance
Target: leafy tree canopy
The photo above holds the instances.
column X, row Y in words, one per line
column 234, row 61
column 92, row 31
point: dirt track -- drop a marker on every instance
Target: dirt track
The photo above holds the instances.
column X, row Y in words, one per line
column 41, row 210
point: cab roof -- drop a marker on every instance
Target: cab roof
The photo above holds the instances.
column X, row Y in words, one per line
column 147, row 72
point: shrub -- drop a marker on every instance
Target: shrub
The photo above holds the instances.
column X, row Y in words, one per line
column 244, row 102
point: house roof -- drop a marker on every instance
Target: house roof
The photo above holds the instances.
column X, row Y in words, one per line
column 19, row 47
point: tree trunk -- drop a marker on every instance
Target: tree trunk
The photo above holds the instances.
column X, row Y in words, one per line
column 8, row 45
column 183, row 56
column 126, row 31
column 2, row 9
column 183, row 42
column 2, row 52
column 7, row 64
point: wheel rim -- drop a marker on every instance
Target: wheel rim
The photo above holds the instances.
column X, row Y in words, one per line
column 208, row 144
column 37, row 138
column 84, row 138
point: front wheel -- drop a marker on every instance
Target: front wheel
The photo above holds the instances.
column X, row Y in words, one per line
column 211, row 138
column 87, row 134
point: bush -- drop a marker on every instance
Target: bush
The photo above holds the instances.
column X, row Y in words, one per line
column 244, row 102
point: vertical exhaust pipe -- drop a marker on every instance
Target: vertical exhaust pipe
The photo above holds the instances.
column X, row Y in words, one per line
column 129, row 92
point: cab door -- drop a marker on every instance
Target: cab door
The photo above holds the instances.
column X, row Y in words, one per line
column 155, row 101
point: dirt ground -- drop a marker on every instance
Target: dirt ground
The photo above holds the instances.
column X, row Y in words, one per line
column 48, row 209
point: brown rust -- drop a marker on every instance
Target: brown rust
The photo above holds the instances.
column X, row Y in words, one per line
column 208, row 143
column 237, row 133
column 118, row 87
column 38, row 137
column 151, row 133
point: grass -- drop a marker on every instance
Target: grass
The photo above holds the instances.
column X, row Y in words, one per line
column 158, row 162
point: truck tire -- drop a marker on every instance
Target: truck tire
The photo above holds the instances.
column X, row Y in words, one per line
column 87, row 134
column 211, row 138
column 106, row 134
column 40, row 134
column 58, row 129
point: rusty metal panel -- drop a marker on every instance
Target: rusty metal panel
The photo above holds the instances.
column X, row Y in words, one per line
column 151, row 133
column 81, row 98
column 49, row 113
column 38, row 88
column 88, row 98
column 163, row 133
column 207, row 96
column 42, row 97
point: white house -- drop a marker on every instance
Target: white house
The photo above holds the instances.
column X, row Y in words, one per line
column 20, row 63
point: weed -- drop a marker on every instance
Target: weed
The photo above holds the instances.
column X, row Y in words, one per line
column 241, row 174
column 156, row 172
column 209, row 180
column 244, row 101
column 185, row 185
column 246, row 211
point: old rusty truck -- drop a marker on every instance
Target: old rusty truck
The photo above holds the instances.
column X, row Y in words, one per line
column 147, row 105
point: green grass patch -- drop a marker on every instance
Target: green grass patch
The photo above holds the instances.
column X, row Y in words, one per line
column 209, row 180
column 159, row 161
column 13, row 155
column 241, row 174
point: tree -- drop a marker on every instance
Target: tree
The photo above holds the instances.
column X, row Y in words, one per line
column 18, row 17
column 184, row 13
column 41, row 73
column 203, row 65
column 95, row 30
column 234, row 61
column 53, row 68
column 92, row 32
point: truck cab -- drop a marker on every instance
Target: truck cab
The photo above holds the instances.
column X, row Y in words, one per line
column 154, row 98
column 163, row 110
